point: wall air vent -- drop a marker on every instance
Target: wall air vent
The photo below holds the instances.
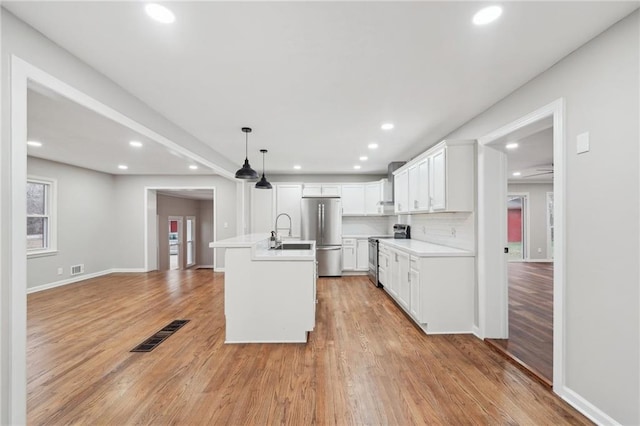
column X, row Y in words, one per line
column 77, row 269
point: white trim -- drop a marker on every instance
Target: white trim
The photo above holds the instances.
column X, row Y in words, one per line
column 547, row 217
column 592, row 412
column 83, row 277
column 555, row 109
column 218, row 269
column 476, row 331
column 539, row 261
column 203, row 267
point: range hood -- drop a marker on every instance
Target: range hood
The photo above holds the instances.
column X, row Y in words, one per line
column 388, row 197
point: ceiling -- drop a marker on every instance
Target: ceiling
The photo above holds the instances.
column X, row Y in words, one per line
column 315, row 80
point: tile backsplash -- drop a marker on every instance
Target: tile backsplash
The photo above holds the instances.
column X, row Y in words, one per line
column 449, row 229
column 365, row 225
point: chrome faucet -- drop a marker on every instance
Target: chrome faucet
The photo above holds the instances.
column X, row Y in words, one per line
column 278, row 217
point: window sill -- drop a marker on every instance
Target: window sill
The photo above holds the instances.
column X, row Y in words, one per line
column 41, row 253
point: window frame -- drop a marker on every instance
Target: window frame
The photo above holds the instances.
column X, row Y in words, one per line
column 51, row 213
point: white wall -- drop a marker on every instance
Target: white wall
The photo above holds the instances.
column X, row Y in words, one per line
column 85, row 222
column 130, row 191
column 537, row 216
column 600, row 85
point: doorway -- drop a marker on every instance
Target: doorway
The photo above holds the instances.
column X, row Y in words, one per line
column 517, row 217
column 175, row 243
column 497, row 294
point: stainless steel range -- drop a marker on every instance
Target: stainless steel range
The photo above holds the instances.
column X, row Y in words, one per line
column 401, row 232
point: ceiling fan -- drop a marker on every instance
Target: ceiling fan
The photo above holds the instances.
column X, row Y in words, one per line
column 546, row 169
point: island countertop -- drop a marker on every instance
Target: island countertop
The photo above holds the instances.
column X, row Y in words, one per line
column 258, row 243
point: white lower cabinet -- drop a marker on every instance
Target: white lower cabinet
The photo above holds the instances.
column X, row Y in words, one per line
column 355, row 254
column 348, row 254
column 436, row 292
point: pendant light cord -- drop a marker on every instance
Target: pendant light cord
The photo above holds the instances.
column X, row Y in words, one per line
column 246, row 145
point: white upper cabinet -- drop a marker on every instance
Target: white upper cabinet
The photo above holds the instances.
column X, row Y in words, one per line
column 321, row 190
column 373, row 194
column 401, row 192
column 353, row 199
column 440, row 179
column 288, row 198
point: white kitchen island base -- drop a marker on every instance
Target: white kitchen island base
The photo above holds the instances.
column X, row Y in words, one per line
column 269, row 296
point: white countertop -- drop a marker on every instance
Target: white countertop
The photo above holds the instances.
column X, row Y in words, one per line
column 258, row 243
column 365, row 236
column 424, row 249
column 248, row 240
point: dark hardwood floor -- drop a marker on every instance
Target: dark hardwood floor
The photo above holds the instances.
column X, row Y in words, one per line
column 365, row 363
column 530, row 318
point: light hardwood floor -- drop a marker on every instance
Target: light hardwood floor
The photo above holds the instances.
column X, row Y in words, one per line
column 365, row 363
column 530, row 339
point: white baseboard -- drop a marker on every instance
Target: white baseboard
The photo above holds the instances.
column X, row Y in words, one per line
column 204, row 266
column 476, row 331
column 127, row 270
column 353, row 273
column 539, row 260
column 588, row 409
column 218, row 270
column 68, row 281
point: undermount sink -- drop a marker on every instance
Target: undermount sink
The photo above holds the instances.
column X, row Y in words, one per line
column 294, row 246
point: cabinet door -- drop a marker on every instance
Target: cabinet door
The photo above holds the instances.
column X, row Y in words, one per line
column 394, row 273
column 372, row 197
column 438, row 180
column 330, row 190
column 414, row 283
column 423, row 185
column 414, row 186
column 288, row 201
column 401, row 190
column 348, row 255
column 383, row 268
column 312, row 190
column 362, row 255
column 353, row 199
column 262, row 209
column 404, row 289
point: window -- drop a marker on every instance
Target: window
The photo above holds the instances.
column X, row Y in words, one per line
column 40, row 216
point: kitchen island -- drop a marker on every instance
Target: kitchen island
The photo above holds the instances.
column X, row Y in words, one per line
column 269, row 294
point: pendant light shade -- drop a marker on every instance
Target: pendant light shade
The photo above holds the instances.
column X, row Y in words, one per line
column 246, row 172
column 263, row 183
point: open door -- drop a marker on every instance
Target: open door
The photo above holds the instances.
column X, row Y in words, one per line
column 175, row 243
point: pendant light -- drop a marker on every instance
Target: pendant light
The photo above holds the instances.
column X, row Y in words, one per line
column 263, row 183
column 246, row 172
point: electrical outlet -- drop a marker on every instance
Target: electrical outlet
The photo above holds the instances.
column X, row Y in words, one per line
column 59, row 271
column 424, row 229
column 226, row 225
column 539, row 250
column 453, row 232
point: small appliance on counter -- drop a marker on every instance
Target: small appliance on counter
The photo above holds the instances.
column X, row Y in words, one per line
column 400, row 232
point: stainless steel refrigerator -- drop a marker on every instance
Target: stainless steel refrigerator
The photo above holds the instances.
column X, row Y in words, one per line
column 322, row 222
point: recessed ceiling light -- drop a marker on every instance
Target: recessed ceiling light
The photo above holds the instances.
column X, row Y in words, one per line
column 511, row 145
column 123, row 167
column 34, row 143
column 487, row 15
column 136, row 144
column 193, row 167
column 357, row 166
column 364, row 158
column 372, row 146
column 517, row 173
column 160, row 13
column 297, row 167
column 387, row 126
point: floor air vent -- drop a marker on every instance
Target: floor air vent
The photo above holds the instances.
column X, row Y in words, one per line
column 153, row 341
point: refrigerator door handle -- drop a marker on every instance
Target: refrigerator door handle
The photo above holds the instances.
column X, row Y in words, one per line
column 319, row 236
column 322, row 223
column 329, row 248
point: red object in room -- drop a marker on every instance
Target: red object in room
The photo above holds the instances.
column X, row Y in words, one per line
column 174, row 226
column 514, row 225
